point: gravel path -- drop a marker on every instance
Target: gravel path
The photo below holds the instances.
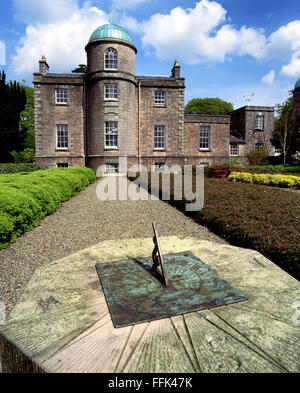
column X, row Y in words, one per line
column 81, row 222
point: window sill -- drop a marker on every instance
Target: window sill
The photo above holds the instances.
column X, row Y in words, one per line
column 111, row 99
column 157, row 149
column 205, row 150
column 111, row 69
column 111, row 148
column 160, row 106
column 62, row 149
column 61, row 104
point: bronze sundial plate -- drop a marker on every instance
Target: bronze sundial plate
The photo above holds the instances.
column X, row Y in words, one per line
column 134, row 295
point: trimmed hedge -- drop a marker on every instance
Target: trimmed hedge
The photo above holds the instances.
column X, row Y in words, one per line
column 22, row 167
column 252, row 216
column 273, row 169
column 266, row 179
column 26, row 198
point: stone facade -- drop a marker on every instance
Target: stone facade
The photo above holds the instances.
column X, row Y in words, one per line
column 217, row 151
column 255, row 124
column 49, row 114
column 296, row 94
column 88, row 126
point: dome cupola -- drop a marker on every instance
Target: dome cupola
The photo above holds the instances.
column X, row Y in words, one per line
column 111, row 31
column 297, row 84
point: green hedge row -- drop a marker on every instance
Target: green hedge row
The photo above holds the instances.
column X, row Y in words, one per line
column 265, row 168
column 251, row 216
column 22, row 167
column 26, row 198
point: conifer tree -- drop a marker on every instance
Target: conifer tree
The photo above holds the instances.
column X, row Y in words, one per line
column 12, row 103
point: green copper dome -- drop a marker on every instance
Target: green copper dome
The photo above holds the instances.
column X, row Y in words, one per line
column 297, row 85
column 111, row 31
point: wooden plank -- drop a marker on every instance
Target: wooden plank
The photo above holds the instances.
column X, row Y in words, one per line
column 97, row 350
column 159, row 350
column 223, row 350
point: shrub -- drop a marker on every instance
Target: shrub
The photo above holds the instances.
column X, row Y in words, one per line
column 25, row 156
column 266, row 179
column 257, row 157
column 296, row 157
column 22, row 167
column 220, row 171
column 26, row 198
column 235, row 160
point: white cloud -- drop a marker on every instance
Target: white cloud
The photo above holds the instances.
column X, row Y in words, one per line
column 2, row 53
column 195, row 35
column 33, row 12
column 293, row 68
column 126, row 4
column 62, row 41
column 269, row 78
column 199, row 35
column 280, row 44
column 130, row 23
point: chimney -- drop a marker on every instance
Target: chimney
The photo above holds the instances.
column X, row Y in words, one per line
column 176, row 70
column 44, row 68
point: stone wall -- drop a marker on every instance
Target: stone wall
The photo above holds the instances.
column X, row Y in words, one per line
column 48, row 114
column 243, row 120
column 219, row 139
column 171, row 116
column 101, row 110
column 296, row 94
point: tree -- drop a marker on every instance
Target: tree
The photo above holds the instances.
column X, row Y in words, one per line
column 27, row 117
column 208, row 106
column 12, row 102
column 286, row 127
column 80, row 68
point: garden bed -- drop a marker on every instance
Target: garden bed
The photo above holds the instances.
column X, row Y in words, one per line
column 26, row 198
column 279, row 180
column 252, row 216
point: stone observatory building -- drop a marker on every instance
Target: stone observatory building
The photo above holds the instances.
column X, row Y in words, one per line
column 94, row 118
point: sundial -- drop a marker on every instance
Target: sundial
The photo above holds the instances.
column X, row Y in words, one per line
column 144, row 289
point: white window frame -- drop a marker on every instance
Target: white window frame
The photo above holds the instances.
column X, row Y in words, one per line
column 259, row 146
column 234, row 149
column 62, row 128
column 159, row 137
column 259, row 122
column 159, row 98
column 204, row 138
column 111, row 59
column 62, row 165
column 111, row 167
column 111, row 91
column 61, row 97
column 110, row 134
column 159, row 166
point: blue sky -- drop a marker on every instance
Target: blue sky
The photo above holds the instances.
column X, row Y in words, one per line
column 238, row 50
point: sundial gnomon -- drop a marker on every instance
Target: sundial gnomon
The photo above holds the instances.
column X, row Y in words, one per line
column 159, row 286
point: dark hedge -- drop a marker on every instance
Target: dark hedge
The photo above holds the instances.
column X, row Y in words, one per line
column 22, row 167
column 253, row 216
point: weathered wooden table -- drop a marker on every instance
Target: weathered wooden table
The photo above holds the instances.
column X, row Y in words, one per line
column 62, row 324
